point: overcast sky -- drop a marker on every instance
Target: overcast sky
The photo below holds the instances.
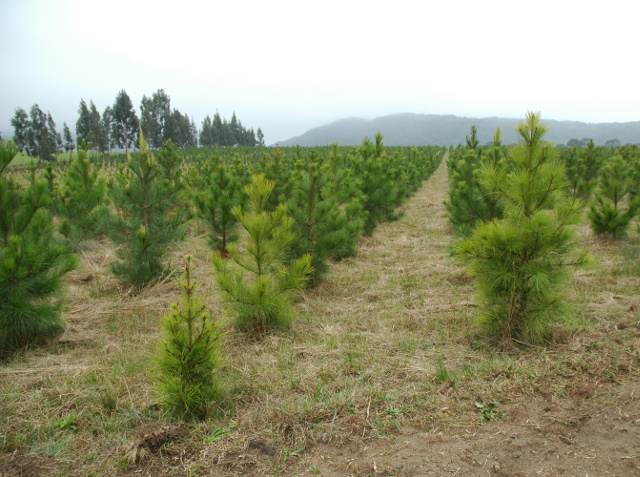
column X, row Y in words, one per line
column 287, row 66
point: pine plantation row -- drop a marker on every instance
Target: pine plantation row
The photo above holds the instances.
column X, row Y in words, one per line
column 274, row 217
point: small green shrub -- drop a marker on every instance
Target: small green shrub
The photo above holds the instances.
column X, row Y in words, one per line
column 69, row 422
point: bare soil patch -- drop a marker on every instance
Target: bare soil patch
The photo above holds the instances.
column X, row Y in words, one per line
column 537, row 437
column 18, row 464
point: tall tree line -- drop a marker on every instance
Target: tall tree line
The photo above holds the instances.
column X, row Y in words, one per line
column 117, row 127
column 219, row 132
column 160, row 123
column 35, row 133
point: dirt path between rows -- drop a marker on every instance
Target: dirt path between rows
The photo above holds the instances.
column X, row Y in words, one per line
column 584, row 436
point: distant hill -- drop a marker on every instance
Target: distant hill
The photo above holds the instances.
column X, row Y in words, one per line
column 409, row 129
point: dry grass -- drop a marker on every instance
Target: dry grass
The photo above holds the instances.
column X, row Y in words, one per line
column 386, row 341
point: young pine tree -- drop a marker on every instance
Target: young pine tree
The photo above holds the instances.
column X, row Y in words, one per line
column 322, row 227
column 616, row 203
column 276, row 168
column 50, row 177
column 592, row 157
column 81, row 196
column 189, row 354
column 471, row 202
column 170, row 162
column 32, row 263
column 576, row 170
column 472, row 140
column 379, row 183
column 345, row 189
column 219, row 194
column 149, row 218
column 520, row 262
column 256, row 281
column 466, row 204
column 583, row 165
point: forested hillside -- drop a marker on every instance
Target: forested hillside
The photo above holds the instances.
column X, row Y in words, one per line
column 432, row 129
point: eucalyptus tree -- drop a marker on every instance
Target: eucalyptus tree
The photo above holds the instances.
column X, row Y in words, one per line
column 98, row 129
column 124, row 125
column 20, row 123
column 154, row 114
column 69, row 143
column 90, row 126
column 208, row 135
column 36, row 133
column 83, row 123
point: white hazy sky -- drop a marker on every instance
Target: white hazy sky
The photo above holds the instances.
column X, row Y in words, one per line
column 286, row 66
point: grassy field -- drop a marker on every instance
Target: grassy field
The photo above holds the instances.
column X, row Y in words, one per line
column 22, row 158
column 386, row 349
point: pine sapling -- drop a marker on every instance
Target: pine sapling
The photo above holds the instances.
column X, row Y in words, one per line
column 190, row 353
column 257, row 280
column 615, row 203
column 81, row 198
column 382, row 191
column 520, row 262
column 472, row 140
column 471, row 202
column 149, row 218
column 218, row 195
column 32, row 263
column 171, row 163
column 583, row 165
column 321, row 225
column 276, row 167
column 346, row 190
column 50, row 177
